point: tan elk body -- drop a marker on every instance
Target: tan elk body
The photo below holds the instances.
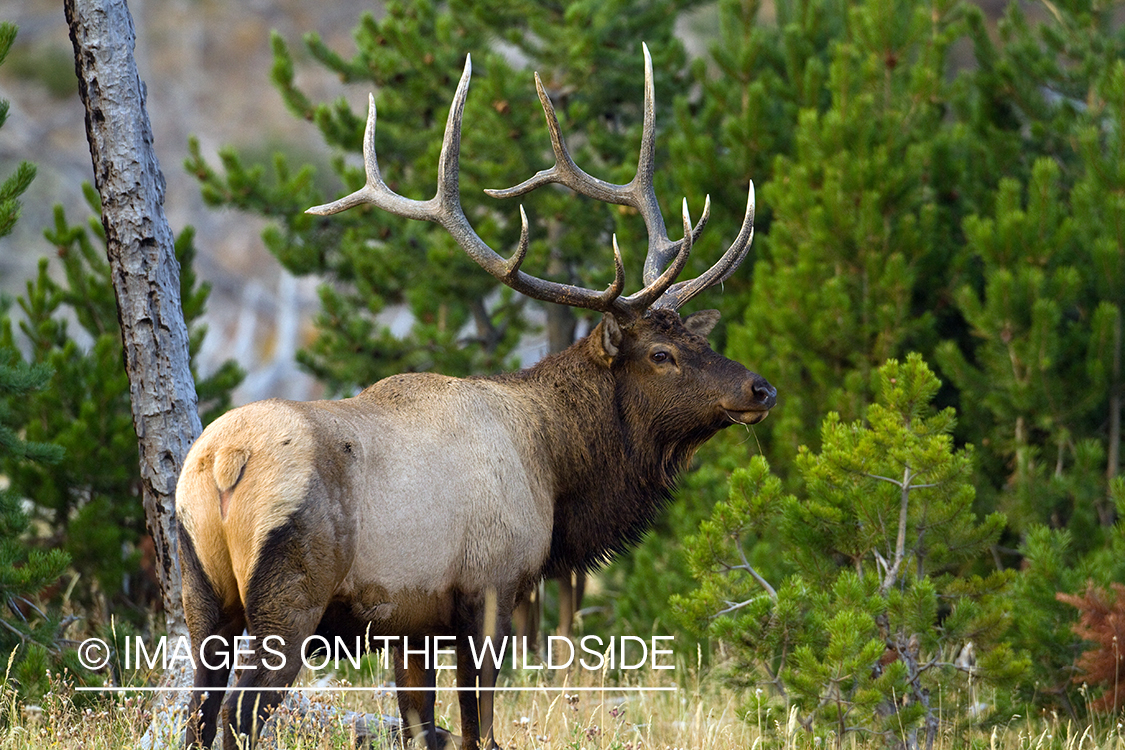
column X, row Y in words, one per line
column 428, row 505
column 391, row 447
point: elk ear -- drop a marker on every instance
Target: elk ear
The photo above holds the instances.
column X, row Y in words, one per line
column 702, row 322
column 610, row 339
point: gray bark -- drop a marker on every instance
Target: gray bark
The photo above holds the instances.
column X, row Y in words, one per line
column 1115, row 391
column 146, row 275
column 146, row 279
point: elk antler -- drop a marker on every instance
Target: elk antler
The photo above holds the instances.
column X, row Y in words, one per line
column 445, row 209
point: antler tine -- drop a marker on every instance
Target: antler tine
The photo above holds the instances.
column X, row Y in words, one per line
column 375, row 191
column 660, row 248
column 639, row 193
column 678, row 294
column 367, row 193
column 563, row 294
column 445, row 209
column 645, row 298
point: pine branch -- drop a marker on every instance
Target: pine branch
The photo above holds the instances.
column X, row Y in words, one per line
column 900, row 543
column 750, row 569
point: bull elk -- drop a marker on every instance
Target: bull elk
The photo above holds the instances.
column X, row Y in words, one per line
column 427, row 505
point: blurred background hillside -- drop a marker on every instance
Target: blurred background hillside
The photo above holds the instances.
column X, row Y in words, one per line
column 206, row 65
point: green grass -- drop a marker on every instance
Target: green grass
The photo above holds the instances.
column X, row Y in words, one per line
column 698, row 715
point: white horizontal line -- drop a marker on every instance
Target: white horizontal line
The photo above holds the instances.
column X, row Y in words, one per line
column 310, row 688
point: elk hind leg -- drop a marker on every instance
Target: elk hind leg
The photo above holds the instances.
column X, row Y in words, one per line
column 246, row 711
column 285, row 602
column 212, row 630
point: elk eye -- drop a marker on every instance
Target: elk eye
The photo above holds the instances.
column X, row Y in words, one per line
column 660, row 356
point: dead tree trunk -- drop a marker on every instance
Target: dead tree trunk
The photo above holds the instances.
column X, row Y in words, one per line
column 146, row 279
column 146, row 275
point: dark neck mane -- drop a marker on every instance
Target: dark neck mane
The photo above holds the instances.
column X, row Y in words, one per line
column 614, row 480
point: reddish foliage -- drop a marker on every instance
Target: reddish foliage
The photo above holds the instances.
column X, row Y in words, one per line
column 1102, row 623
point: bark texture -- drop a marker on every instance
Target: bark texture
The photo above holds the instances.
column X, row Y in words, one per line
column 146, row 275
column 146, row 280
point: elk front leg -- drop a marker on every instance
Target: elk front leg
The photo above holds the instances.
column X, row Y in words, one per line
column 526, row 618
column 476, row 705
column 416, row 706
column 476, row 679
column 571, row 588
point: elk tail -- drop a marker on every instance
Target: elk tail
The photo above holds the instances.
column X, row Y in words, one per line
column 230, row 465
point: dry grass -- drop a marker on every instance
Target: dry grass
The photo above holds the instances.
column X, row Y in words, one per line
column 695, row 716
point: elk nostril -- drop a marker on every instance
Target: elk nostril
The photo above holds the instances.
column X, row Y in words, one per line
column 765, row 393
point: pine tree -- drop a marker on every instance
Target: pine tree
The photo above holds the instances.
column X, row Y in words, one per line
column 30, row 631
column 1053, row 569
column 852, row 269
column 30, row 627
column 877, row 624
column 1103, row 624
column 1031, row 323
column 848, row 249
column 1039, row 278
column 757, row 76
column 89, row 505
column 1039, row 285
column 1099, row 210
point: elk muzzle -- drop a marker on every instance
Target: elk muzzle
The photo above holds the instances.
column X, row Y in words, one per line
column 758, row 397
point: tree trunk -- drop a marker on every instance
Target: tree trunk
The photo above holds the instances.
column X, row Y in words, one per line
column 146, row 279
column 146, row 275
column 1113, row 460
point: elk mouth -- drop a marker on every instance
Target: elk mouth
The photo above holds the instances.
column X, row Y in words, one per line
column 748, row 416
